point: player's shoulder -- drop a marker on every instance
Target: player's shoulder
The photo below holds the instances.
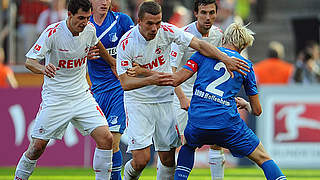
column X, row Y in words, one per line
column 167, row 27
column 189, row 28
column 216, row 30
column 53, row 29
column 90, row 27
column 128, row 38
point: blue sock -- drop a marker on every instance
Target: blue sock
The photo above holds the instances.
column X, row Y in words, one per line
column 272, row 171
column 185, row 162
column 116, row 166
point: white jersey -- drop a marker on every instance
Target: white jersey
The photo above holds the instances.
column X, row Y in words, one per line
column 180, row 54
column 59, row 47
column 154, row 55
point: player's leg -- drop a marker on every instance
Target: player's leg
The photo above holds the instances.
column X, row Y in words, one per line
column 140, row 130
column 116, row 157
column 216, row 162
column 102, row 160
column 185, row 162
column 186, row 153
column 166, row 139
column 241, row 141
column 166, row 166
column 51, row 122
column 134, row 167
column 89, row 119
column 111, row 103
column 270, row 168
column 28, row 160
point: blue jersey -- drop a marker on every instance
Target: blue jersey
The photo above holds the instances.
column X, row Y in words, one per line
column 213, row 103
column 109, row 33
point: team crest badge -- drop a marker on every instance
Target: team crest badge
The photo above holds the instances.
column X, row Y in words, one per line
column 113, row 37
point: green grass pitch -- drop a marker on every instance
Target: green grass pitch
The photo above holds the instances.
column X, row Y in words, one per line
column 253, row 173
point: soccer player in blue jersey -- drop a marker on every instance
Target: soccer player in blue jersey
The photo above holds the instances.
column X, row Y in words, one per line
column 213, row 115
column 106, row 88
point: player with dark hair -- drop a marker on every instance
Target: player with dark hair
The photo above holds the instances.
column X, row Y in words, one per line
column 65, row 93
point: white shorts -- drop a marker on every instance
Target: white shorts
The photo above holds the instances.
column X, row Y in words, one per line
column 181, row 115
column 55, row 113
column 147, row 122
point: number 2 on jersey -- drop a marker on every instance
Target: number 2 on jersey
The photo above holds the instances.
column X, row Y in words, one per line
column 212, row 86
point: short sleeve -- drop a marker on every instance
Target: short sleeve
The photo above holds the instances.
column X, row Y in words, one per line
column 124, row 60
column 250, row 84
column 175, row 55
column 126, row 22
column 177, row 35
column 95, row 39
column 41, row 47
column 194, row 62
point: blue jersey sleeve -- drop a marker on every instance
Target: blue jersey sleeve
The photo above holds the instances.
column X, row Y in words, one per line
column 250, row 84
column 126, row 22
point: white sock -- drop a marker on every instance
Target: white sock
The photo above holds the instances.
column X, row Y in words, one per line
column 25, row 168
column 129, row 173
column 164, row 172
column 102, row 164
column 216, row 162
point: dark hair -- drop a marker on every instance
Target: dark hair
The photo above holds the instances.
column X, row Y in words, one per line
column 197, row 3
column 150, row 7
column 75, row 5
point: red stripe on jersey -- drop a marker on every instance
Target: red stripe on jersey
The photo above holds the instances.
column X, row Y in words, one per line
column 125, row 41
column 167, row 28
column 193, row 65
column 98, row 108
column 53, row 30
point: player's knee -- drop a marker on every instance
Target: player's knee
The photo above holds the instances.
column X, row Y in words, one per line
column 35, row 150
column 141, row 163
column 105, row 140
column 263, row 157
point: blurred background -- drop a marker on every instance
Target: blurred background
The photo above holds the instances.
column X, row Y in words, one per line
column 285, row 54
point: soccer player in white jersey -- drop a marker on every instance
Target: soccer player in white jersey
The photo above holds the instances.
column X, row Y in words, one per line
column 65, row 92
column 206, row 12
column 148, row 107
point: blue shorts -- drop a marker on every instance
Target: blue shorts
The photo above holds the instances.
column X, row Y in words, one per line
column 239, row 139
column 111, row 103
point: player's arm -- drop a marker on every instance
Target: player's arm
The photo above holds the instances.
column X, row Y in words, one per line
column 34, row 66
column 255, row 105
column 206, row 49
column 183, row 99
column 12, row 80
column 107, row 57
column 252, row 107
column 157, row 78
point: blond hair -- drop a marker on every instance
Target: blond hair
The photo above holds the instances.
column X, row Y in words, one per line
column 239, row 36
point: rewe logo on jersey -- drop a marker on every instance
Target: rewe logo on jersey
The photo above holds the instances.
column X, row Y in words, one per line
column 297, row 122
column 73, row 63
column 155, row 63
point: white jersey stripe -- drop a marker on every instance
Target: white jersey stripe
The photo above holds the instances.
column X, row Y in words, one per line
column 109, row 28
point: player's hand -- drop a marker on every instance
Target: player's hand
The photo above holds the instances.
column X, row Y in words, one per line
column 235, row 64
column 134, row 71
column 185, row 103
column 162, row 79
column 50, row 70
column 243, row 104
column 93, row 53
